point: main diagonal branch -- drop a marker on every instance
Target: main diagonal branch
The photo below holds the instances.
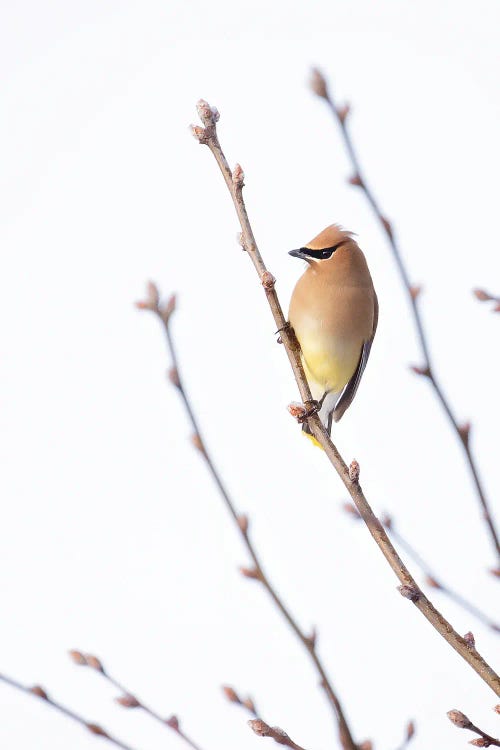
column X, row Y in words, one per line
column 320, row 87
column 409, row 588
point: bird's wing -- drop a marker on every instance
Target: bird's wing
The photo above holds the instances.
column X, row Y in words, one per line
column 350, row 389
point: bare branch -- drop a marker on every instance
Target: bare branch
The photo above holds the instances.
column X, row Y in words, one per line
column 431, row 578
column 256, row 572
column 462, row 721
column 471, row 656
column 40, row 693
column 127, row 699
column 320, row 87
column 276, row 733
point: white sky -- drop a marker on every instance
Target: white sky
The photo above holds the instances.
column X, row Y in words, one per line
column 113, row 539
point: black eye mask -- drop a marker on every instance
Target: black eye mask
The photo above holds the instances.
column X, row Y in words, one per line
column 306, row 252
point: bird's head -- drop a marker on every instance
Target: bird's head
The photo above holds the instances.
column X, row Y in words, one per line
column 324, row 245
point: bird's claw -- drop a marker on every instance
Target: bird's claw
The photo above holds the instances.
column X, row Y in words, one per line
column 310, row 408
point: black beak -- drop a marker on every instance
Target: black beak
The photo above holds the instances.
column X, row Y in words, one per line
column 298, row 254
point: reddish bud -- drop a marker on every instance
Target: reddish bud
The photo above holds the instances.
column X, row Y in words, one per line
column 142, row 305
column 167, row 309
column 39, row 692
column 207, row 115
column 173, row 723
column 366, row 745
column 387, row 226
column 78, row 657
column 495, row 572
column 354, row 470
column 238, row 176
column 231, row 694
column 420, row 370
column 199, row 133
column 153, row 295
column 251, row 573
column 297, row 410
column 343, row 112
column 410, row 730
column 243, row 523
column 351, row 510
column 433, row 582
column 464, row 431
column 250, row 705
column 459, row 719
column 356, row 180
column 496, row 307
column 415, row 291
column 128, row 701
column 96, row 729
column 386, row 521
column 409, row 592
column 268, row 281
column 470, row 640
column 173, row 376
column 480, row 742
column 481, row 295
column 497, row 708
column 197, row 442
column 318, row 83
column 94, row 663
column 312, row 638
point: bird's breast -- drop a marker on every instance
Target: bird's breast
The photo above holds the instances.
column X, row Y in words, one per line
column 331, row 326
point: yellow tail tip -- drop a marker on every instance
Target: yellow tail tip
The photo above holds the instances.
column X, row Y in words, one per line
column 313, row 440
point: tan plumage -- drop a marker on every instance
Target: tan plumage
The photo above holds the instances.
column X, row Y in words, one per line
column 334, row 312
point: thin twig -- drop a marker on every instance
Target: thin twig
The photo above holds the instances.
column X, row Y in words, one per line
column 462, row 721
column 431, row 578
column 349, row 475
column 257, row 571
column 127, row 699
column 276, row 733
column 409, row 735
column 319, row 86
column 233, row 697
column 40, row 693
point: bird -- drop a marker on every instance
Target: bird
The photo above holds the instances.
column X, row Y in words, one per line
column 334, row 313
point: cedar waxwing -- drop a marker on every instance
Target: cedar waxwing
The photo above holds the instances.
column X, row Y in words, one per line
column 334, row 313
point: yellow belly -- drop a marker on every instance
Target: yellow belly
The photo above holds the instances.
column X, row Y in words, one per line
column 330, row 364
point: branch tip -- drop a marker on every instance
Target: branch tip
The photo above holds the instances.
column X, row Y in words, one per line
column 459, row 719
column 317, row 83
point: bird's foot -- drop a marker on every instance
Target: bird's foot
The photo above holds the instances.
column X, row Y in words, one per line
column 310, row 408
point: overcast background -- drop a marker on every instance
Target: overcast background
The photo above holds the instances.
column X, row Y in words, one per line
column 113, row 538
